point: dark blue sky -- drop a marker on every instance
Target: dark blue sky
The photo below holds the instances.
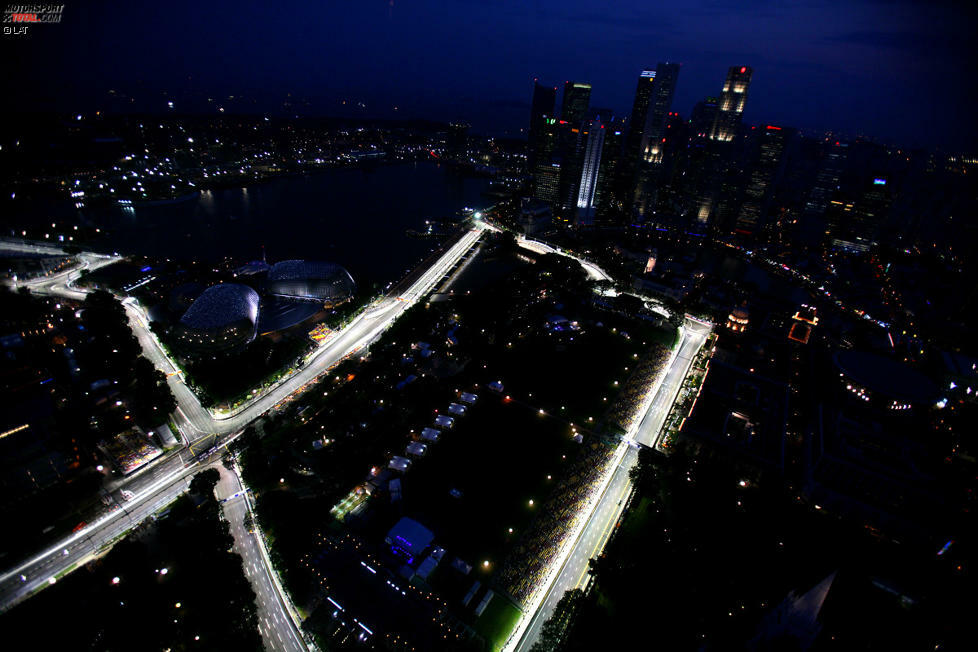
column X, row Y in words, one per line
column 899, row 71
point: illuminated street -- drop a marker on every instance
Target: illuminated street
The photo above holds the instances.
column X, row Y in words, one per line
column 163, row 481
column 608, row 508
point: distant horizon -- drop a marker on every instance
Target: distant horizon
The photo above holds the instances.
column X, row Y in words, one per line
column 892, row 72
column 476, row 129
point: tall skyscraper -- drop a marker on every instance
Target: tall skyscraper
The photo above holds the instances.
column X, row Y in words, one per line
column 664, row 87
column 591, row 165
column 702, row 117
column 646, row 138
column 827, row 179
column 733, row 99
column 541, row 111
column 547, row 182
column 597, row 195
column 577, row 99
column 762, row 176
column 636, row 122
column 853, row 225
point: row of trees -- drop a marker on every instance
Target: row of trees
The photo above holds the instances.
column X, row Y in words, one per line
column 112, row 352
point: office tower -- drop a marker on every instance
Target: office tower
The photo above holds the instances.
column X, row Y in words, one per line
column 653, row 98
column 586, row 205
column 596, row 190
column 702, row 117
column 663, row 88
column 577, row 99
column 765, row 167
column 546, row 162
column 541, row 111
column 852, row 225
column 636, row 122
column 733, row 99
column 569, row 148
column 611, row 202
column 827, row 179
column 547, row 182
column 662, row 202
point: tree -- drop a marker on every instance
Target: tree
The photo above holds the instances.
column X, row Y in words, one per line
column 204, row 482
column 554, row 630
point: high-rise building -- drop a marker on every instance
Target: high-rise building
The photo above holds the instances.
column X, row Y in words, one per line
column 596, row 192
column 611, row 203
column 854, row 225
column 763, row 171
column 733, row 99
column 636, row 122
column 702, row 117
column 570, row 145
column 577, row 99
column 644, row 147
column 541, row 116
column 587, row 199
column 547, row 182
column 827, row 179
column 664, row 87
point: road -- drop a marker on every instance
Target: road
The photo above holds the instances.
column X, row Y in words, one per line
column 594, row 534
column 80, row 547
column 277, row 629
column 162, row 483
column 164, row 480
column 195, row 421
column 594, row 272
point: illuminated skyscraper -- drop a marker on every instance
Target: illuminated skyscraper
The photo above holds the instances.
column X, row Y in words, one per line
column 591, row 165
column 702, row 117
column 547, row 182
column 577, row 99
column 732, row 102
column 636, row 122
column 664, row 87
column 596, row 196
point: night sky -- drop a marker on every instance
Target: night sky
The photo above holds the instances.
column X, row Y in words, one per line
column 899, row 71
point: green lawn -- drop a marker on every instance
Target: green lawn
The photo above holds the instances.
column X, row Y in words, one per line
column 498, row 621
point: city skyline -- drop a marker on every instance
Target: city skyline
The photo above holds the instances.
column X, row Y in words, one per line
column 511, row 326
column 858, row 70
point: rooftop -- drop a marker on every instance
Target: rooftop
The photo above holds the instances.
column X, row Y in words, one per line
column 886, row 376
column 221, row 305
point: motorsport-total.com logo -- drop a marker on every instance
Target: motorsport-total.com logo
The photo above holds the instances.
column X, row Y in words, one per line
column 17, row 19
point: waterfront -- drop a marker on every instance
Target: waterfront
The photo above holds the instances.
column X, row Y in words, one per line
column 354, row 217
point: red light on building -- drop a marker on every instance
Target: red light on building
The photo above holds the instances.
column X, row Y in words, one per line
column 773, row 128
column 743, row 69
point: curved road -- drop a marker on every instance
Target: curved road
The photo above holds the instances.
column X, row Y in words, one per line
column 162, row 481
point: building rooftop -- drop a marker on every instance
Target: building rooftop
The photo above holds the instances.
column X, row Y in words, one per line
column 886, row 376
column 410, row 536
column 221, row 305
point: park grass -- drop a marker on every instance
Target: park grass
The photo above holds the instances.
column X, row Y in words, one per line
column 498, row 621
